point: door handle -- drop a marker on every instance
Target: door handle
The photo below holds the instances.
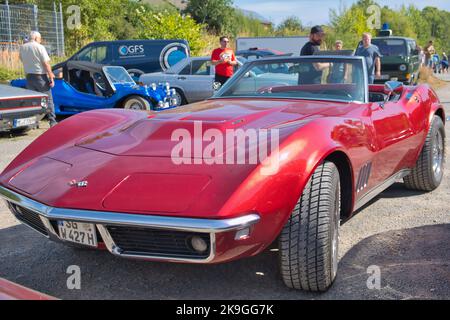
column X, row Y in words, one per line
column 181, row 78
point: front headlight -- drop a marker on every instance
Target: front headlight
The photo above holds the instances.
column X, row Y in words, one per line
column 44, row 103
column 403, row 67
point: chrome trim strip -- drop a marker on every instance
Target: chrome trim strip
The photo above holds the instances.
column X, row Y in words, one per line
column 124, row 219
column 102, row 219
column 380, row 188
column 18, row 110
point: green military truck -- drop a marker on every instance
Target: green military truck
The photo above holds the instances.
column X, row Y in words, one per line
column 400, row 58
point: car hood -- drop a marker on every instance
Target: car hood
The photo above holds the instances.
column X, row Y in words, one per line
column 158, row 135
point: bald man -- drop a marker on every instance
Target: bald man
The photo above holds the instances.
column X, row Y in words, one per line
column 36, row 64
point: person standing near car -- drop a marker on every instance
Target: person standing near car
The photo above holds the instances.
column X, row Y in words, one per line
column 40, row 77
column 429, row 52
column 224, row 60
column 312, row 47
column 372, row 55
column 339, row 72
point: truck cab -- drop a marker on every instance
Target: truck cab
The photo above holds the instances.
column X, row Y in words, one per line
column 400, row 59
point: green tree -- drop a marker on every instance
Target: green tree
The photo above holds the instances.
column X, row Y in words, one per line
column 170, row 25
column 290, row 26
column 218, row 15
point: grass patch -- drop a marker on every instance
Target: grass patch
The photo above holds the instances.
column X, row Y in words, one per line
column 426, row 75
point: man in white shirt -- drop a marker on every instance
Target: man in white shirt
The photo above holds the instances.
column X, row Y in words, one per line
column 40, row 77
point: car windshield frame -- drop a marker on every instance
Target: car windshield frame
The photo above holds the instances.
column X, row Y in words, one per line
column 113, row 81
column 247, row 67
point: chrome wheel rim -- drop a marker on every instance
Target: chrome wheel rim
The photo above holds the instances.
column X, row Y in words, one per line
column 134, row 105
column 335, row 236
column 438, row 154
column 178, row 98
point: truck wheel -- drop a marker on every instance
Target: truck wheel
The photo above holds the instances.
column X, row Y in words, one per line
column 429, row 170
column 310, row 239
column 136, row 103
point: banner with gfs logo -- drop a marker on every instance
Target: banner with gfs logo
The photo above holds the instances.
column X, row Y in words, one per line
column 132, row 51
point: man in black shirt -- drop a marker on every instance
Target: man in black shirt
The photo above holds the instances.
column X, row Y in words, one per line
column 314, row 74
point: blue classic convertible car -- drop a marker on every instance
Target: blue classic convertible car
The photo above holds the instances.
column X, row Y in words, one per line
column 82, row 86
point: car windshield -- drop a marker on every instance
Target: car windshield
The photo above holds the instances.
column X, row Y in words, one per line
column 118, row 75
column 321, row 78
column 391, row 47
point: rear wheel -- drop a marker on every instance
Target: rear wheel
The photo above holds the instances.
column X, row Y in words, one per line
column 310, row 239
column 136, row 103
column 429, row 170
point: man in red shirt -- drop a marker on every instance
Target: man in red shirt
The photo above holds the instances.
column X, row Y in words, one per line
column 224, row 60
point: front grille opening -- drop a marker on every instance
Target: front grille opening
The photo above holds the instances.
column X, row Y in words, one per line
column 28, row 217
column 156, row 242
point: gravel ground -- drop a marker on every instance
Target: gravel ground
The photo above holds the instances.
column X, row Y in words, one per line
column 405, row 233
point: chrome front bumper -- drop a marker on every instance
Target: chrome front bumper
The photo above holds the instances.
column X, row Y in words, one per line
column 103, row 219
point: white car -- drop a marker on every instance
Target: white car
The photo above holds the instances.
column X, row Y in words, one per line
column 192, row 78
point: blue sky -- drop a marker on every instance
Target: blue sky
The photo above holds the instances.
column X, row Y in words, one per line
column 317, row 11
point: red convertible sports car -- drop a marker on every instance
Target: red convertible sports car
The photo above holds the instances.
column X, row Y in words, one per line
column 272, row 156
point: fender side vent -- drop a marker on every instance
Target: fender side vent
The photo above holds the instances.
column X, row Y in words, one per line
column 363, row 177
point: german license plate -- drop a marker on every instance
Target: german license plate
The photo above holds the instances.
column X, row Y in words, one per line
column 24, row 122
column 77, row 232
column 385, row 77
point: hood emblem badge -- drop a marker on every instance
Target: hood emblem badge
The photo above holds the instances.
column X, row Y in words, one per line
column 78, row 184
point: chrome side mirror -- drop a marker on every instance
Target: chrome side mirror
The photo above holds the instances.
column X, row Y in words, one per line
column 390, row 88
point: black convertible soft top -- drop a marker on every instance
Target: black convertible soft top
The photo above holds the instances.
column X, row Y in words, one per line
column 79, row 75
column 85, row 65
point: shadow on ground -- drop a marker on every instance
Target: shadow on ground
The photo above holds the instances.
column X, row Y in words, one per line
column 414, row 263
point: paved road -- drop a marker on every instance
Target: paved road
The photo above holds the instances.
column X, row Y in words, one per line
column 405, row 233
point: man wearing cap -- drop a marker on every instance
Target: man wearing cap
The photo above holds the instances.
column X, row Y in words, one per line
column 40, row 77
column 312, row 47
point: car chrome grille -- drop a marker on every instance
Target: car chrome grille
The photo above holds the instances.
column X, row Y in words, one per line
column 28, row 217
column 155, row 242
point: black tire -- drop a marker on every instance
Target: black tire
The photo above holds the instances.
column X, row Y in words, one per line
column 309, row 240
column 181, row 98
column 136, row 103
column 428, row 173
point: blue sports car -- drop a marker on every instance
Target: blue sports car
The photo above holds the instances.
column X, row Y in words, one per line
column 82, row 86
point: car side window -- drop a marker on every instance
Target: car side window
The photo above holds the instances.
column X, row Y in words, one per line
column 100, row 54
column 93, row 54
column 85, row 55
column 186, row 70
column 201, row 68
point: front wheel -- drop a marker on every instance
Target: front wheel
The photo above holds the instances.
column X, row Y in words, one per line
column 136, row 103
column 310, row 239
column 179, row 96
column 428, row 173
